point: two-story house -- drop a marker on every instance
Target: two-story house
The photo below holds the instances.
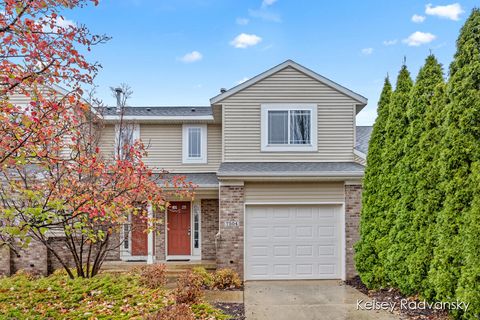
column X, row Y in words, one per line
column 278, row 163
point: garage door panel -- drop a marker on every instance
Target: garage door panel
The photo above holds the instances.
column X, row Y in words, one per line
column 289, row 242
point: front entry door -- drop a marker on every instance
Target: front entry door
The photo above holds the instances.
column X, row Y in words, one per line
column 178, row 229
column 139, row 236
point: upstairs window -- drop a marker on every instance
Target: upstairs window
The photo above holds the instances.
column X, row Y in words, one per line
column 194, row 144
column 125, row 137
column 289, row 127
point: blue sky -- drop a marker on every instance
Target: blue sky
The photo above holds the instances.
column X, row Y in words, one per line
column 181, row 52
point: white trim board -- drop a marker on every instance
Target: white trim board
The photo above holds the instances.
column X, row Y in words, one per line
column 360, row 154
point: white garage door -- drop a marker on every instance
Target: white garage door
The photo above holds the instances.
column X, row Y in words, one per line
column 293, row 242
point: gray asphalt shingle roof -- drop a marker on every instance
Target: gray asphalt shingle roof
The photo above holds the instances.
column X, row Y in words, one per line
column 290, row 168
column 363, row 137
column 200, row 179
column 160, row 111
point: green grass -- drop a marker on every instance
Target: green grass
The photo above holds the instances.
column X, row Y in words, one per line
column 106, row 296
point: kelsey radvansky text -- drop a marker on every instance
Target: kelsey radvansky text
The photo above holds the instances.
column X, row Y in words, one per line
column 405, row 304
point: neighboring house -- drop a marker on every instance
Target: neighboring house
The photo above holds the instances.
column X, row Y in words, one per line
column 278, row 162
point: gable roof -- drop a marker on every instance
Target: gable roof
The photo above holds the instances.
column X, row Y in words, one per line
column 362, row 138
column 290, row 63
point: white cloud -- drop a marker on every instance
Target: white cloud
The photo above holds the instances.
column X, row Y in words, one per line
column 244, row 40
column 242, row 80
column 191, row 57
column 451, row 11
column 60, row 22
column 418, row 18
column 242, row 21
column 367, row 51
column 390, row 42
column 265, row 15
column 418, row 38
column 266, row 3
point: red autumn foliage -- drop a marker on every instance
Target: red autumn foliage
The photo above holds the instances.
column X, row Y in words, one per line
column 54, row 178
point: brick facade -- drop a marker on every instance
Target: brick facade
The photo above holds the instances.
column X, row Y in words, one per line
column 33, row 259
column 62, row 250
column 4, row 261
column 230, row 239
column 209, row 228
column 353, row 206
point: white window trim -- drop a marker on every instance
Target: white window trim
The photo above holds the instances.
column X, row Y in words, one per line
column 265, row 108
column 203, row 158
column 135, row 135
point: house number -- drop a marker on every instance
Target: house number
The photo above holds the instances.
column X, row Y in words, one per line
column 231, row 223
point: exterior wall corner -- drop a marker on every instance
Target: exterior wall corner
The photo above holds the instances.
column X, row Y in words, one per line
column 229, row 239
column 353, row 207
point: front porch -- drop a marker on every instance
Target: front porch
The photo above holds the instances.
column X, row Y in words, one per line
column 174, row 268
column 185, row 231
column 127, row 266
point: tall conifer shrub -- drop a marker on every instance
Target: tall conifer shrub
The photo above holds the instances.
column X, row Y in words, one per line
column 407, row 225
column 366, row 258
column 393, row 153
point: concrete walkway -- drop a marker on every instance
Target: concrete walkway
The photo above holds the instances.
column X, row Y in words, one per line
column 306, row 299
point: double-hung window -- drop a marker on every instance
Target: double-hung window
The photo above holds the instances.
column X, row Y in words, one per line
column 289, row 127
column 194, row 143
column 125, row 136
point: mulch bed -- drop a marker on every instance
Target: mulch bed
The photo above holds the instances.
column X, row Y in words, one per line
column 393, row 295
column 236, row 310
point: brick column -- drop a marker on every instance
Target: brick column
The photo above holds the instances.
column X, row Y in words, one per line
column 229, row 240
column 209, row 228
column 353, row 206
column 159, row 237
column 4, row 261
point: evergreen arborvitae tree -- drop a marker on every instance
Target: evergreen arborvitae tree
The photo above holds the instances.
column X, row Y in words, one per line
column 396, row 131
column 428, row 194
column 407, row 224
column 461, row 217
column 366, row 257
column 456, row 254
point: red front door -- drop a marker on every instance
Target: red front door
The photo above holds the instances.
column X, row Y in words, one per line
column 139, row 236
column 178, row 228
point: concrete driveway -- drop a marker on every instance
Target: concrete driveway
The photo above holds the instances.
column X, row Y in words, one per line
column 306, row 299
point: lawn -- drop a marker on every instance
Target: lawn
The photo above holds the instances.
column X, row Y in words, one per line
column 106, row 296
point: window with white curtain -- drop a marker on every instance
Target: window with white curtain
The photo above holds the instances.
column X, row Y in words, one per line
column 289, row 127
column 194, row 143
column 125, row 136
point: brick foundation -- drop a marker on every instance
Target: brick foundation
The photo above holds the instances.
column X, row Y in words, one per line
column 209, row 228
column 32, row 259
column 4, row 261
column 230, row 239
column 62, row 250
column 353, row 206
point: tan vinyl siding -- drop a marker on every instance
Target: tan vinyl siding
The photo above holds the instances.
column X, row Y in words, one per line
column 285, row 192
column 164, row 147
column 242, row 118
column 107, row 140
